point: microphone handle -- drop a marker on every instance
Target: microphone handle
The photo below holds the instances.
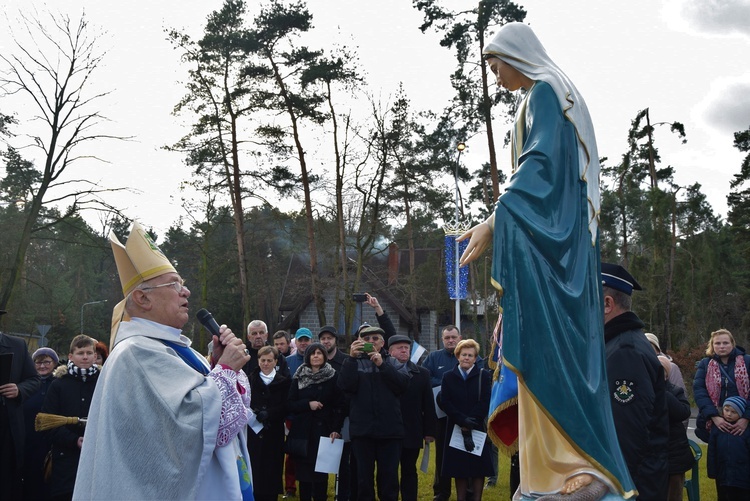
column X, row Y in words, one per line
column 211, row 325
column 204, row 316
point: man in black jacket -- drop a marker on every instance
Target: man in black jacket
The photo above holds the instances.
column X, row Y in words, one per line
column 257, row 338
column 418, row 411
column 637, row 387
column 282, row 342
column 376, row 426
column 328, row 337
column 22, row 382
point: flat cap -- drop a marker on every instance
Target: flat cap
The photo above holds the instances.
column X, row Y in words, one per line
column 369, row 330
column 398, row 339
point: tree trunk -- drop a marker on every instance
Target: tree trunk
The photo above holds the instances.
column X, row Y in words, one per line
column 412, row 265
column 487, row 112
column 234, row 179
column 342, row 284
column 309, row 219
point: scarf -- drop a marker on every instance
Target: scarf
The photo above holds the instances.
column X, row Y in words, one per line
column 76, row 371
column 400, row 367
column 713, row 379
column 267, row 379
column 306, row 377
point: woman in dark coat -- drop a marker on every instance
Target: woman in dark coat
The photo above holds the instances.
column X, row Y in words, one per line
column 268, row 393
column 316, row 405
column 465, row 398
column 722, row 373
column 37, row 442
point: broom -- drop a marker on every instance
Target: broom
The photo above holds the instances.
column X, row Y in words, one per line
column 46, row 421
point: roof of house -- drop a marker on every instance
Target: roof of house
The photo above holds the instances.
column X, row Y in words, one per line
column 378, row 278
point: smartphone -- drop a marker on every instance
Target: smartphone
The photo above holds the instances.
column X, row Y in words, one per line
column 359, row 297
column 367, row 348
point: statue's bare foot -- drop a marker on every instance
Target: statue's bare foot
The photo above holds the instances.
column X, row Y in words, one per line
column 576, row 482
column 581, row 487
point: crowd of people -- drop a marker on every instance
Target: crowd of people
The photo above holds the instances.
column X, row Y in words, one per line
column 253, row 419
column 384, row 406
column 374, row 397
column 600, row 409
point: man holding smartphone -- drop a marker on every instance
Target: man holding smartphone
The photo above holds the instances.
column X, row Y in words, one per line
column 376, row 425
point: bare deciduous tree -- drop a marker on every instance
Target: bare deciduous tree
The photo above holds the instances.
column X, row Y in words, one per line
column 50, row 70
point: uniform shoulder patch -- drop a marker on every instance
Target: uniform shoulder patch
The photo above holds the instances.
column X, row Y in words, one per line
column 624, row 391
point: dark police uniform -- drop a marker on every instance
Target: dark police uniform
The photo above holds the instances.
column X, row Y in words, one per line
column 637, row 391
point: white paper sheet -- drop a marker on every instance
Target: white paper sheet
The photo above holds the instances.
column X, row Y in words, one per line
column 424, row 465
column 329, row 455
column 254, row 424
column 457, row 440
column 438, row 410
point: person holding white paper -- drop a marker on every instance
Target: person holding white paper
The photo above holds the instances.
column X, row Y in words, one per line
column 269, row 389
column 316, row 405
column 465, row 398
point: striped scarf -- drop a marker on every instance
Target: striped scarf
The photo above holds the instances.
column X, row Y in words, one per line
column 76, row 371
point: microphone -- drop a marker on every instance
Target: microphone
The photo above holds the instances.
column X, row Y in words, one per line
column 204, row 316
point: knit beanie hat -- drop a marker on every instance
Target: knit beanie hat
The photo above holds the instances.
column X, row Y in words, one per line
column 736, row 403
column 46, row 352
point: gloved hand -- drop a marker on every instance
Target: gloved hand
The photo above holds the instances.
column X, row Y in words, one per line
column 468, row 440
column 262, row 416
column 471, row 423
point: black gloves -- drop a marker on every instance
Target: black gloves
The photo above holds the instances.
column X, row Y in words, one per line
column 468, row 441
column 262, row 416
column 471, row 423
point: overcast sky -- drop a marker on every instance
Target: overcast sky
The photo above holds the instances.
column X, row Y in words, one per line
column 684, row 59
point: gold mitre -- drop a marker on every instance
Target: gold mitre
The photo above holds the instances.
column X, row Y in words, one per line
column 137, row 261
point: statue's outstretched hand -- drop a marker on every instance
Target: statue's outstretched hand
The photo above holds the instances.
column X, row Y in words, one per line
column 480, row 237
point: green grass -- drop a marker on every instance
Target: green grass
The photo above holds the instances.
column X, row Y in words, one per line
column 501, row 491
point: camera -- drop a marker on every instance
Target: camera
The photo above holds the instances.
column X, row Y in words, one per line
column 359, row 297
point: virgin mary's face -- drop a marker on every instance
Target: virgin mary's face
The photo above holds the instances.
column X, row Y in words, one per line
column 507, row 76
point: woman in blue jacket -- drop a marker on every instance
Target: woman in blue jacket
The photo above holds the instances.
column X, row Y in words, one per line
column 721, row 374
